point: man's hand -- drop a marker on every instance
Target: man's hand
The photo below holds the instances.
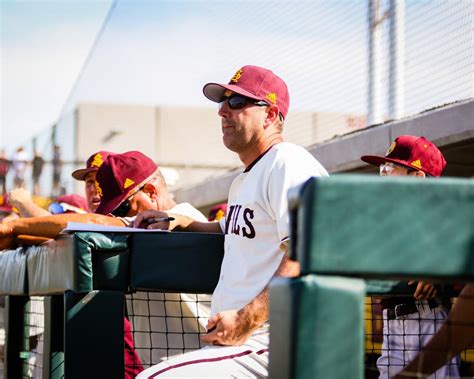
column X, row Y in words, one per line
column 19, row 196
column 7, row 238
column 228, row 328
column 152, row 219
column 424, row 290
column 170, row 221
column 21, row 199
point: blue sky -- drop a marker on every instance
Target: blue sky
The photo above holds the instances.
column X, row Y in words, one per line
column 43, row 46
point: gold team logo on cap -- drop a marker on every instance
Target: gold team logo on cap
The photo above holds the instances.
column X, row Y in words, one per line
column 272, row 97
column 416, row 164
column 390, row 149
column 219, row 215
column 97, row 161
column 98, row 189
column 237, row 76
column 128, row 182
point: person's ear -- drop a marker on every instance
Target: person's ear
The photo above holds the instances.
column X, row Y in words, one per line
column 273, row 113
column 151, row 191
column 419, row 174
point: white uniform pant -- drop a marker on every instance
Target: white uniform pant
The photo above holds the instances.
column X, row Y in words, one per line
column 246, row 361
column 404, row 337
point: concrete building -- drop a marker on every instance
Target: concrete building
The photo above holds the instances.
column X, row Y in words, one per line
column 186, row 142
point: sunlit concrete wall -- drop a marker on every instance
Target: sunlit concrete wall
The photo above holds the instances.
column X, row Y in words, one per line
column 185, row 141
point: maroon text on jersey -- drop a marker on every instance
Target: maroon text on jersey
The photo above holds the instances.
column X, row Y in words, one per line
column 240, row 222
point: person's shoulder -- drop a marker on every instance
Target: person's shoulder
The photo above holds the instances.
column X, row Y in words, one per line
column 294, row 156
column 290, row 148
column 291, row 152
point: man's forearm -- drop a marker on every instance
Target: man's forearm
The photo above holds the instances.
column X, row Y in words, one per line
column 51, row 226
column 31, row 210
column 257, row 311
column 190, row 225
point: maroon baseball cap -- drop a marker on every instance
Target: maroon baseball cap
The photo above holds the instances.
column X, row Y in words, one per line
column 119, row 175
column 93, row 164
column 255, row 82
column 69, row 204
column 412, row 152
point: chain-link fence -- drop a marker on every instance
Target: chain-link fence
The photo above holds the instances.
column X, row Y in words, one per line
column 347, row 64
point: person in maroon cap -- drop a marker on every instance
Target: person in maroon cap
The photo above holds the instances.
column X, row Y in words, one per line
column 62, row 209
column 22, row 200
column 252, row 106
column 88, row 174
column 130, row 183
column 410, row 322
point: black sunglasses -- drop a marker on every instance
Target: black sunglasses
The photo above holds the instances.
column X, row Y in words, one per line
column 125, row 206
column 239, row 101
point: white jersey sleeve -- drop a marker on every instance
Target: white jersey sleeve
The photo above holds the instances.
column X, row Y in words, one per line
column 293, row 166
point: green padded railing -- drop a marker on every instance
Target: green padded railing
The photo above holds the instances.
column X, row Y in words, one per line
column 13, row 272
column 176, row 262
column 395, row 227
column 308, row 317
column 366, row 227
column 85, row 276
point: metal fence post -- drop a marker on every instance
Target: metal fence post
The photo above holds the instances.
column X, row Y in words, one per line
column 93, row 333
column 15, row 335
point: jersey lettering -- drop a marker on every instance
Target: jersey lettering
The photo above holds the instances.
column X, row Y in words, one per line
column 248, row 215
column 228, row 218
column 234, row 225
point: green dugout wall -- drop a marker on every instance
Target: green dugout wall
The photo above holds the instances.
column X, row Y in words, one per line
column 349, row 228
column 344, row 230
column 84, row 277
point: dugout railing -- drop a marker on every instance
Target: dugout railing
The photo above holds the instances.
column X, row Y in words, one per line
column 352, row 235
column 316, row 319
column 84, row 278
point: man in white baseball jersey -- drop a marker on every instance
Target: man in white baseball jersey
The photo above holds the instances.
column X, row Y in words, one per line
column 252, row 107
column 410, row 322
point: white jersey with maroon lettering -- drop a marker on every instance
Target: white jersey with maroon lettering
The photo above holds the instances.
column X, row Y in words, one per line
column 257, row 221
